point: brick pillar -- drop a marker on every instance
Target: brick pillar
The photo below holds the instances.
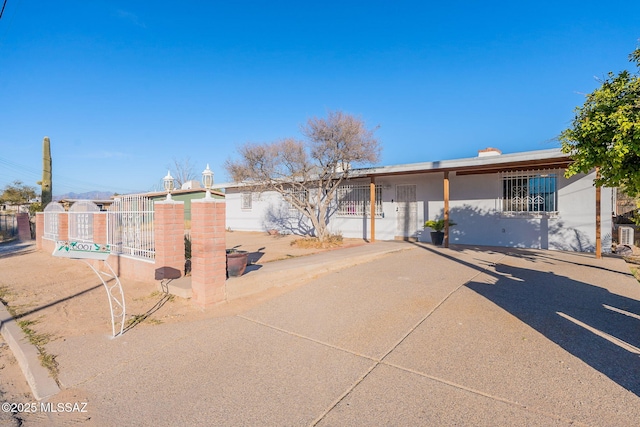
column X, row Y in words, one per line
column 100, row 227
column 63, row 226
column 39, row 229
column 24, row 227
column 208, row 252
column 169, row 239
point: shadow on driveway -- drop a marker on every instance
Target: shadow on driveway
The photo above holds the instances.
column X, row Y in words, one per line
column 599, row 327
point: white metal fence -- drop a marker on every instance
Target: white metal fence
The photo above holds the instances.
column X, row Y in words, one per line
column 130, row 227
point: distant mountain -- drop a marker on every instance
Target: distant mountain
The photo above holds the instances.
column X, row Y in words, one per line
column 91, row 195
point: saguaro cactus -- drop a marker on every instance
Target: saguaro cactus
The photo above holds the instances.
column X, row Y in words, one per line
column 46, row 172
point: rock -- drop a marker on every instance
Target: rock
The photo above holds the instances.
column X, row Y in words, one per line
column 624, row 250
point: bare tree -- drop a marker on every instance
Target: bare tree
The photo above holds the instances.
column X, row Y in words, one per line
column 307, row 173
column 183, row 170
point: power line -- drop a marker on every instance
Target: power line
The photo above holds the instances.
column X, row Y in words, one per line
column 3, row 6
column 60, row 181
column 17, row 166
column 10, row 17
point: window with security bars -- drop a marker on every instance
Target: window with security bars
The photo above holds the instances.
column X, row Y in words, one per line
column 246, row 199
column 300, row 195
column 529, row 192
column 354, row 200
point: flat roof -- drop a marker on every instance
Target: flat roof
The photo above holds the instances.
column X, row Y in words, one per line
column 552, row 158
column 547, row 159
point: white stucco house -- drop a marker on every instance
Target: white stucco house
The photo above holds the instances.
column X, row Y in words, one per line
column 512, row 200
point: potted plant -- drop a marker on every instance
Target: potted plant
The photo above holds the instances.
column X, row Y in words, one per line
column 437, row 225
column 236, row 262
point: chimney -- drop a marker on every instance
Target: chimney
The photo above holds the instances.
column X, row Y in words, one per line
column 489, row 151
column 190, row 185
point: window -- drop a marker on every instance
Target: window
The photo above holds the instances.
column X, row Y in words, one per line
column 300, row 195
column 529, row 192
column 354, row 200
column 246, row 201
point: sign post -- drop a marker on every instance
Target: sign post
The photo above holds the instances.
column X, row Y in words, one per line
column 85, row 251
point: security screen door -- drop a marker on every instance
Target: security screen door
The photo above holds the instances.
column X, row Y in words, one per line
column 406, row 211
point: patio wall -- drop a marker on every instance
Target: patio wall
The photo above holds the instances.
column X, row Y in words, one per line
column 125, row 266
column 169, row 262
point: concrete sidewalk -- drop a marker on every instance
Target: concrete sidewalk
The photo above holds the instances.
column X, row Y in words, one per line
column 425, row 336
column 261, row 276
column 297, row 270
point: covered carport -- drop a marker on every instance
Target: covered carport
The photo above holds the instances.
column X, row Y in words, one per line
column 490, row 161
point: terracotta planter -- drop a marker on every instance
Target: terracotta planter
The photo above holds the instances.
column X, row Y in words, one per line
column 437, row 237
column 236, row 263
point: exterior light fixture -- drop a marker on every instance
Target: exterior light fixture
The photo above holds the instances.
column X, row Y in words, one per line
column 207, row 181
column 168, row 184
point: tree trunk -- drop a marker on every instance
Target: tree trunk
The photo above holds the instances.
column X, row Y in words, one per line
column 319, row 225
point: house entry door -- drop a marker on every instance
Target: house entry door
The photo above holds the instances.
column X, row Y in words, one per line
column 406, row 211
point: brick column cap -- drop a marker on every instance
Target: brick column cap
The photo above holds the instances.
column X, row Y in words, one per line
column 208, row 201
column 169, row 202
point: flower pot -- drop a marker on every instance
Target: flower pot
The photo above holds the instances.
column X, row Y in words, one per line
column 236, row 263
column 437, row 237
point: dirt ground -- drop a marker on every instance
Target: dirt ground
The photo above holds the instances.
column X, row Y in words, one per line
column 61, row 298
column 263, row 247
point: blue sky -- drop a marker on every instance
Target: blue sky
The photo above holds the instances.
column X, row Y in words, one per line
column 123, row 88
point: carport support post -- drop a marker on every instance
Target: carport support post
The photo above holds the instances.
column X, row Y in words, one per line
column 208, row 252
column 446, row 209
column 372, row 203
column 598, row 217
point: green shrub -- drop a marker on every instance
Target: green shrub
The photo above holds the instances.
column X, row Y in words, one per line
column 437, row 224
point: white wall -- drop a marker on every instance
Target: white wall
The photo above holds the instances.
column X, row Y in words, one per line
column 268, row 211
column 475, row 207
column 575, row 229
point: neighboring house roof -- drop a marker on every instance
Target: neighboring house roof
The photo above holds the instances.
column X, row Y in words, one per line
column 540, row 159
column 179, row 191
column 102, row 204
column 153, row 195
column 71, row 201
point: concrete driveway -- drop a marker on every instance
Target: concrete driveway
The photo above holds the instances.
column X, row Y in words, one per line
column 423, row 336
